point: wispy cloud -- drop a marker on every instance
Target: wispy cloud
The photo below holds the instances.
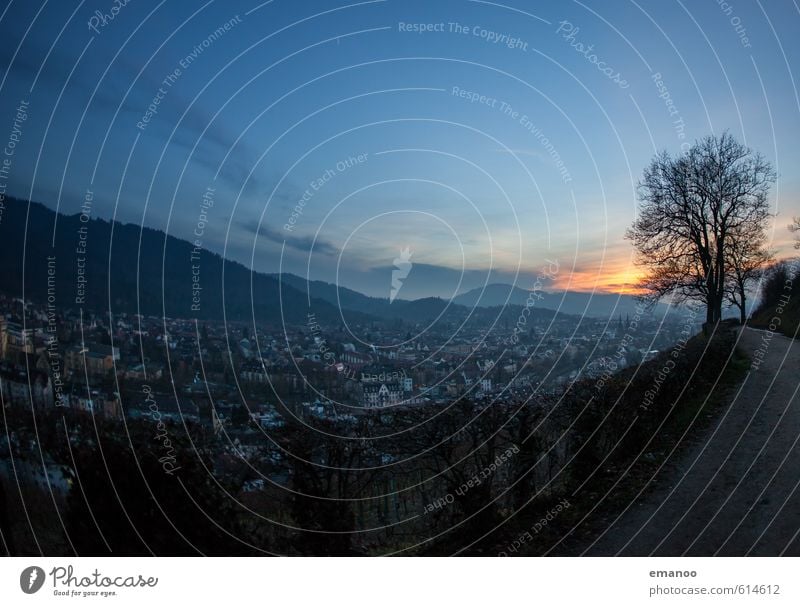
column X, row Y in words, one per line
column 297, row 242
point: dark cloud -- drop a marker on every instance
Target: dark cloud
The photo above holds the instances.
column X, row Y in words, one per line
column 301, row 243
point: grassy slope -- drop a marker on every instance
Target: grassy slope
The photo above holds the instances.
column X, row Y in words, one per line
column 615, row 469
column 789, row 318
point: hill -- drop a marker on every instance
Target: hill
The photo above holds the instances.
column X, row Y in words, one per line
column 424, row 310
column 101, row 265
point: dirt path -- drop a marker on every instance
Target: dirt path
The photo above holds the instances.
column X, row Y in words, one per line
column 736, row 491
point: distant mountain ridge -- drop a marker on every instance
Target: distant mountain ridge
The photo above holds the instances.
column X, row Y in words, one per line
column 567, row 302
column 127, row 268
column 418, row 310
column 140, row 270
column 598, row 305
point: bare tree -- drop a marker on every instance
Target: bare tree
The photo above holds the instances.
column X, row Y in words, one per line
column 690, row 206
column 748, row 256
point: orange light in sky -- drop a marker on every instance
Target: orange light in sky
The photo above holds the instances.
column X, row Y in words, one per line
column 614, row 276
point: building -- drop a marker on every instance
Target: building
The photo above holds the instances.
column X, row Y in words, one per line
column 93, row 358
column 355, row 359
column 22, row 389
column 15, row 339
column 378, row 395
column 253, row 372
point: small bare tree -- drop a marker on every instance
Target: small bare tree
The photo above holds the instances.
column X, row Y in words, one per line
column 748, row 257
column 794, row 227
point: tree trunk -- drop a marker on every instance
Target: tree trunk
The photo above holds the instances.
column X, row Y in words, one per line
column 716, row 308
column 710, row 310
column 713, row 313
column 743, row 309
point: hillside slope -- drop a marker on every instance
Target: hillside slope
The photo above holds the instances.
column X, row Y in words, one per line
column 734, row 492
column 133, row 269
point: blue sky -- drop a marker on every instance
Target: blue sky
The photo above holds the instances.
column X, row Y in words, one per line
column 340, row 95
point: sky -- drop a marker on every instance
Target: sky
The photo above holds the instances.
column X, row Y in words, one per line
column 323, row 138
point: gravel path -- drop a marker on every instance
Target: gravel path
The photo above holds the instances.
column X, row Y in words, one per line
column 736, row 491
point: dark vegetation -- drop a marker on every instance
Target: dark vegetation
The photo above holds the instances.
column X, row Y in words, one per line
column 779, row 304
